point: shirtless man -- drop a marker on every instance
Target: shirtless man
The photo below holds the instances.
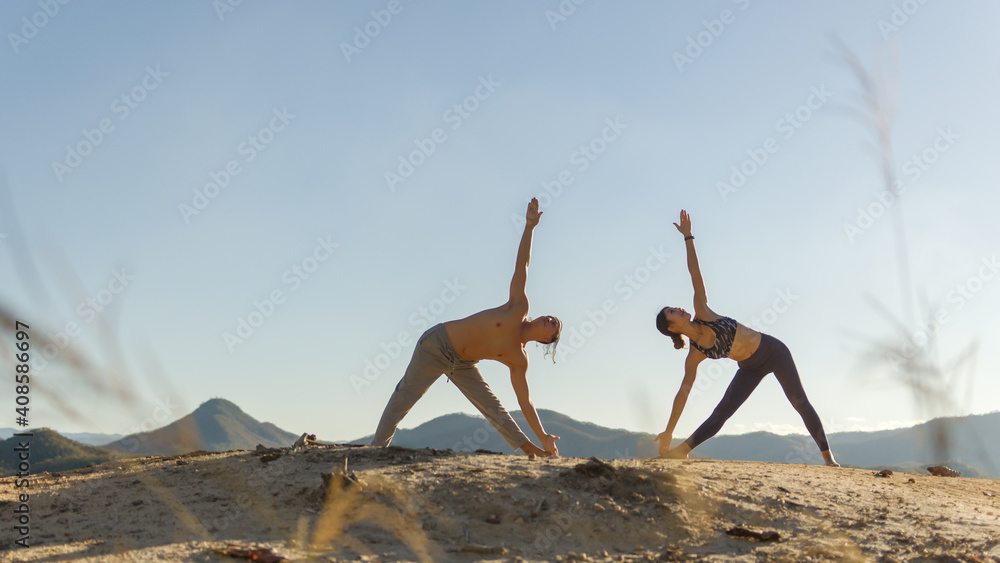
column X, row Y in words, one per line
column 454, row 348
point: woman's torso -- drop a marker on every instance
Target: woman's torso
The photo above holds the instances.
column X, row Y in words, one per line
column 731, row 339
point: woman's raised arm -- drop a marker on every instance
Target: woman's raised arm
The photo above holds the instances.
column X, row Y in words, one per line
column 700, row 297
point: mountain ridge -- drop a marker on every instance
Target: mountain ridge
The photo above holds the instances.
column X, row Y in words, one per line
column 216, row 425
column 903, row 447
column 220, row 425
column 50, row 451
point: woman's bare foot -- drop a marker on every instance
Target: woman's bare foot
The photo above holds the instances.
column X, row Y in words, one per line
column 828, row 458
column 680, row 452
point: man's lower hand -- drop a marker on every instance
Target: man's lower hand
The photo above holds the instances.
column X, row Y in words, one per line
column 549, row 444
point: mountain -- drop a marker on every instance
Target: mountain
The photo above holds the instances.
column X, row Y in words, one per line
column 765, row 446
column 92, row 438
column 89, row 438
column 217, row 425
column 51, row 452
column 971, row 441
column 463, row 432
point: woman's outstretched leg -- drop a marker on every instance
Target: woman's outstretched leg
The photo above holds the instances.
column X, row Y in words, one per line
column 788, row 376
column 743, row 383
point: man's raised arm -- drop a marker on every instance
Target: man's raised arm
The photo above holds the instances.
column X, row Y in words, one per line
column 520, row 279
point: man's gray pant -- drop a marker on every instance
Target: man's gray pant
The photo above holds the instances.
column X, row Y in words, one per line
column 433, row 356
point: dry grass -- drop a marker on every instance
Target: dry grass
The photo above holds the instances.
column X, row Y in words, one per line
column 935, row 385
column 349, row 502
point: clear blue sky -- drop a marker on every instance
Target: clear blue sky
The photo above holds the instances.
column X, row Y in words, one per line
column 117, row 115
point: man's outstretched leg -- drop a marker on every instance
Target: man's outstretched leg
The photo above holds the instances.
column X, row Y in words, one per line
column 425, row 367
column 470, row 382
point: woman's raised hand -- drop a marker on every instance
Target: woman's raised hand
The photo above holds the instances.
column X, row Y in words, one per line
column 685, row 225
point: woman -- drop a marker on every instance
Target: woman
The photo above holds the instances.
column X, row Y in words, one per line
column 713, row 336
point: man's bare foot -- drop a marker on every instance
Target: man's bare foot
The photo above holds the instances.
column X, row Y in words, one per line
column 531, row 450
column 828, row 458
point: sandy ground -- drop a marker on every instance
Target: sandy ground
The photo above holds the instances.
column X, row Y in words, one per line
column 432, row 505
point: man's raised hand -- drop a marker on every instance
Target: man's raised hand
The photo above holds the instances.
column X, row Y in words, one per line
column 533, row 214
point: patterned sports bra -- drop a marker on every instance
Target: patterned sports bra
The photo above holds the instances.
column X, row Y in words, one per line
column 725, row 333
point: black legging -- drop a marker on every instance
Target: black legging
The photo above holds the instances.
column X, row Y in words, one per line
column 771, row 356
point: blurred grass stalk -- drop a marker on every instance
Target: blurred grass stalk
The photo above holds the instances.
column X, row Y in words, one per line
column 933, row 384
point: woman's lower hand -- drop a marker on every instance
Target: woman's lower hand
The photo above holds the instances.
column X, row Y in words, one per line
column 665, row 439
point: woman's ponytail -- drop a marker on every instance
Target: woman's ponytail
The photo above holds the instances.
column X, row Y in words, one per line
column 663, row 325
